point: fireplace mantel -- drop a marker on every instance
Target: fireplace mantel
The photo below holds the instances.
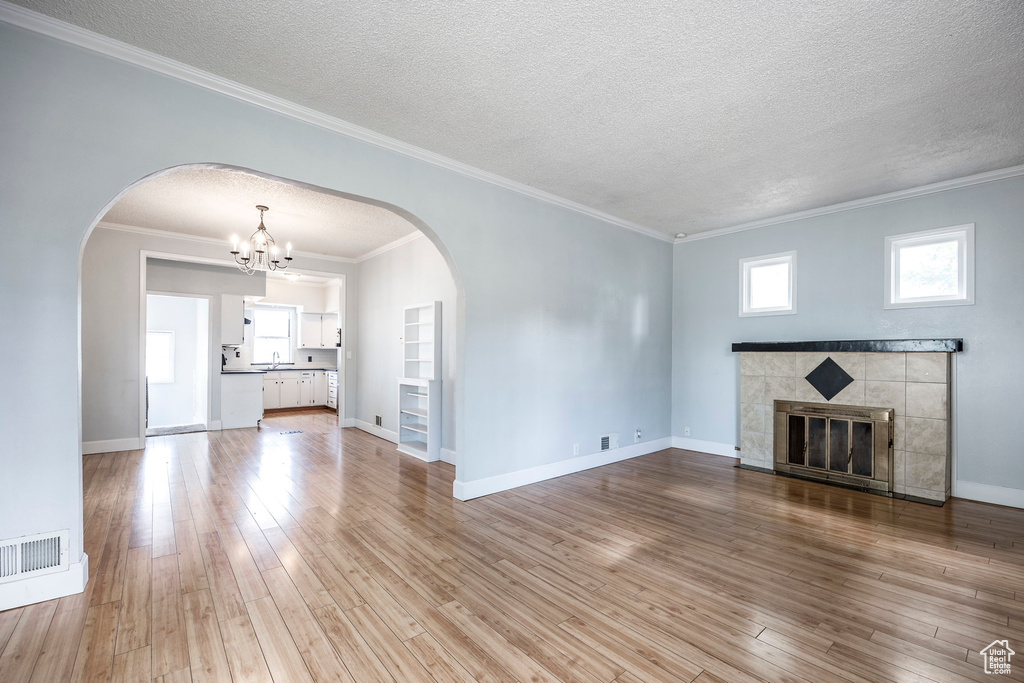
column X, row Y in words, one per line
column 857, row 346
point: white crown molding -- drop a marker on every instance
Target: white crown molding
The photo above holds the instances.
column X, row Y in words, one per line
column 411, row 237
column 80, row 37
column 899, row 195
column 213, row 240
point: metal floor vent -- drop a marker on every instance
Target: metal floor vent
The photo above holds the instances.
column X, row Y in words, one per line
column 294, row 431
column 33, row 555
column 609, row 442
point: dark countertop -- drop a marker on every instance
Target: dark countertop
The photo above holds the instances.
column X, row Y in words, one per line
column 255, row 371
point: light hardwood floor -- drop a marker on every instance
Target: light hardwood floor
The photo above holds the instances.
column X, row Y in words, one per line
column 325, row 556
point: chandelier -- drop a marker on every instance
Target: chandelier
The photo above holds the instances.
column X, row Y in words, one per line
column 260, row 252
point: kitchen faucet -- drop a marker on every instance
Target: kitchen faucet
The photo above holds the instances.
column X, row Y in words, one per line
column 275, row 360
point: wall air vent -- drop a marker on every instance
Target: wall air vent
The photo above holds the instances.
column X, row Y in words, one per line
column 28, row 556
column 609, row 442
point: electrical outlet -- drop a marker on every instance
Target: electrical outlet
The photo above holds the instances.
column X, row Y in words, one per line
column 636, row 438
column 348, row 355
column 686, row 431
column 309, row 359
column 575, row 449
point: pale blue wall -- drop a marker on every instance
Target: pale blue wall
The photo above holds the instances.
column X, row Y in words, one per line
column 840, row 292
column 566, row 327
column 409, row 275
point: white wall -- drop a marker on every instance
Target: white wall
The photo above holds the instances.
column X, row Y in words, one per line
column 311, row 297
column 179, row 402
column 411, row 274
column 564, row 328
column 840, row 293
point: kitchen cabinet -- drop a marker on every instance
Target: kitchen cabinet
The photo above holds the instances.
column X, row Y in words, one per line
column 271, row 393
column 320, row 388
column 241, row 400
column 306, row 396
column 318, row 331
column 332, row 389
column 295, row 388
column 290, row 393
column 232, row 319
column 280, row 390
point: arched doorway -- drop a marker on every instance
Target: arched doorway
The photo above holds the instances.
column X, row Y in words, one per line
column 121, row 259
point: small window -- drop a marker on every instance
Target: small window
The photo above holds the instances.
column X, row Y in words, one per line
column 160, row 357
column 768, row 285
column 272, row 333
column 930, row 268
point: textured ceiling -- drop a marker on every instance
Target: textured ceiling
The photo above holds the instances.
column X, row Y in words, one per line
column 219, row 203
column 682, row 116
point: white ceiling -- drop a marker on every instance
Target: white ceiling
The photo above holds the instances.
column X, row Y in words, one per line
column 679, row 115
column 219, row 203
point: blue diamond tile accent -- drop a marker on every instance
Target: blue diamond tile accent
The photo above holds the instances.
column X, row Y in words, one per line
column 829, row 379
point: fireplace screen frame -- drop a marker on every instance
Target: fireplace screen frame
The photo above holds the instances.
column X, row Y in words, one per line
column 881, row 419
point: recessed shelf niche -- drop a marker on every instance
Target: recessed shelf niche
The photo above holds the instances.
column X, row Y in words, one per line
column 419, row 388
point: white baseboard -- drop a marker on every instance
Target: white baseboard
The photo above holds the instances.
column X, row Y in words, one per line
column 467, row 490
column 215, row 426
column 987, row 493
column 419, row 455
column 712, row 447
column 376, row 431
column 45, row 587
column 448, row 456
column 348, row 422
column 112, row 445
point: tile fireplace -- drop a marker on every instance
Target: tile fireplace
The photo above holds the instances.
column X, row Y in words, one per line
column 869, row 414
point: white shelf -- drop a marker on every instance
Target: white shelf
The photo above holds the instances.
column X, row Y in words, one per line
column 414, row 427
column 417, row 449
column 417, row 413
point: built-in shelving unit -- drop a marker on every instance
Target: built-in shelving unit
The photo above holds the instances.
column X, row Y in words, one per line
column 419, row 418
column 421, row 357
column 419, row 389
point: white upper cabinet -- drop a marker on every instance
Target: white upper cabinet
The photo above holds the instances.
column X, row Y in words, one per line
column 329, row 330
column 232, row 319
column 318, row 331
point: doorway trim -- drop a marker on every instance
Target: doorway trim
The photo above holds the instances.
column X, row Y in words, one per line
column 208, row 421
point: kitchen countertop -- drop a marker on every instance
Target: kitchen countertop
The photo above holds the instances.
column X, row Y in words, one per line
column 255, row 371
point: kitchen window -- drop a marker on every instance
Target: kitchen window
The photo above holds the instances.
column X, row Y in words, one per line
column 273, row 332
column 930, row 268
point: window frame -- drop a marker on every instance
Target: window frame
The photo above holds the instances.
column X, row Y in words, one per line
column 173, row 358
column 747, row 264
column 291, row 311
column 963, row 235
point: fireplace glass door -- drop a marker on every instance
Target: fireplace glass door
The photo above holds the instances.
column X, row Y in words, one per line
column 838, row 442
